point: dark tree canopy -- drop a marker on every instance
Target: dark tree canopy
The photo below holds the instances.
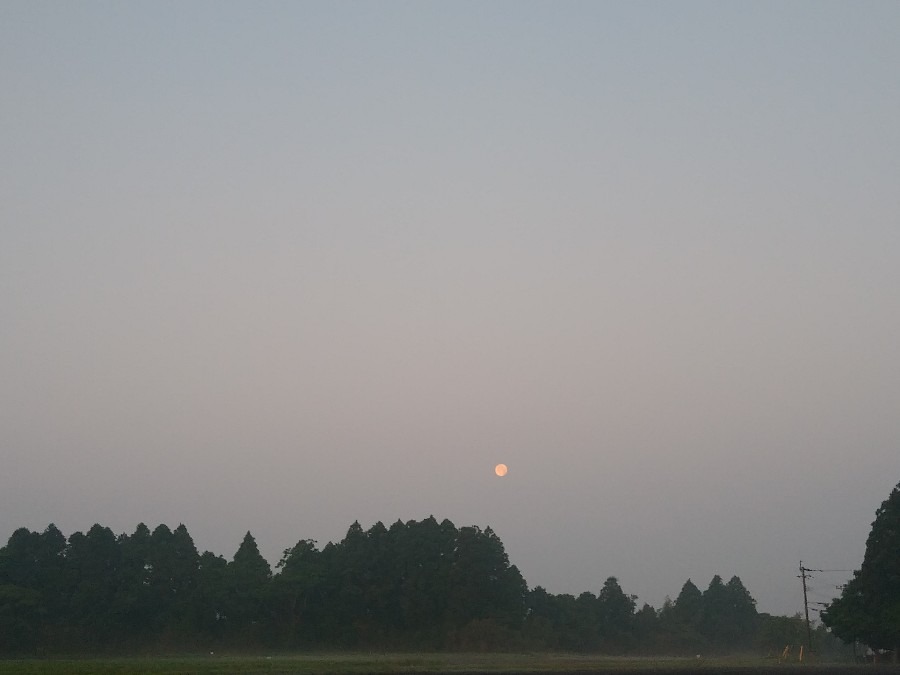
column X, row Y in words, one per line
column 413, row 585
column 868, row 609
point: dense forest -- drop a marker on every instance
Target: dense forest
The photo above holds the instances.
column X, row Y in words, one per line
column 415, row 585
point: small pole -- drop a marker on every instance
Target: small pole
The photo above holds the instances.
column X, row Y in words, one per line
column 803, row 571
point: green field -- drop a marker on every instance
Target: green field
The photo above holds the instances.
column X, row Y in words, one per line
column 409, row 663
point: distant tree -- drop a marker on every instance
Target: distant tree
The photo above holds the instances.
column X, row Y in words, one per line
column 541, row 619
column 680, row 621
column 615, row 614
column 728, row 615
column 588, row 623
column 32, row 588
column 248, row 567
column 664, row 639
column 134, row 605
column 379, row 586
column 646, row 629
column 583, row 618
column 93, row 563
column 423, row 554
column 345, row 587
column 172, row 566
column 715, row 615
column 186, row 567
column 482, row 582
column 869, row 606
column 246, row 598
column 298, row 593
column 210, row 596
column 689, row 604
column 563, row 622
column 161, row 579
column 742, row 617
column 774, row 633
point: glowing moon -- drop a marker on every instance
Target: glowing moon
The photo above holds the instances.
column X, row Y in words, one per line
column 500, row 470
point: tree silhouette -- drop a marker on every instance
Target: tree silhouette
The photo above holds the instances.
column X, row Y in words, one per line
column 869, row 606
column 415, row 585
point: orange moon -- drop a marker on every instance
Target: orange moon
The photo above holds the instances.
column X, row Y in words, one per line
column 500, row 470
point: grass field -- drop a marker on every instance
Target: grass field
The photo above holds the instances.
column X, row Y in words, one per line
column 350, row 663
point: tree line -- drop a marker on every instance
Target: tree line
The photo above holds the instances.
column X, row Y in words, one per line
column 415, row 585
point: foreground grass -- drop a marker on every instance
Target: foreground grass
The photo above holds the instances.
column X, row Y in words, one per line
column 353, row 663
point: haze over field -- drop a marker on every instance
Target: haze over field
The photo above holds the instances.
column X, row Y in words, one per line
column 282, row 266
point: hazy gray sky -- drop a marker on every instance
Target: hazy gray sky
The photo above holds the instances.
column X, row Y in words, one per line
column 281, row 266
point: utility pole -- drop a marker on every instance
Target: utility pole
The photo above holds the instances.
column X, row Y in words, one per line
column 803, row 572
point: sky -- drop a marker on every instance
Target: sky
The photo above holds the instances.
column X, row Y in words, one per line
column 281, row 266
